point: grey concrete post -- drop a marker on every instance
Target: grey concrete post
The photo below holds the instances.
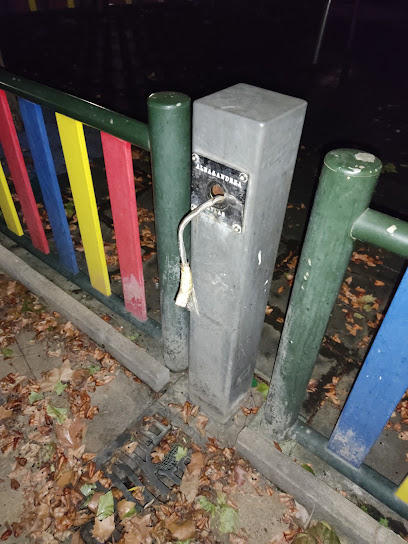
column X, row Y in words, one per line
column 245, row 141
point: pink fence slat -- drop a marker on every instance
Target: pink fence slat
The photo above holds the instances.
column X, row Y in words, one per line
column 119, row 172
column 18, row 170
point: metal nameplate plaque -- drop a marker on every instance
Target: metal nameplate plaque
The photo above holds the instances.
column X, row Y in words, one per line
column 210, row 178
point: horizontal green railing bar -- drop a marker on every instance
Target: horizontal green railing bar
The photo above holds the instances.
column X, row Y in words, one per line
column 382, row 230
column 150, row 327
column 125, row 128
column 365, row 477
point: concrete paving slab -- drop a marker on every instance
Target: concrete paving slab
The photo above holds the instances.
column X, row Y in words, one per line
column 120, row 402
column 11, row 501
column 126, row 352
column 352, row 524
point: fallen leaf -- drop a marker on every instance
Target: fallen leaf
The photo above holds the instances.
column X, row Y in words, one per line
column 302, row 516
column 183, row 531
column 71, row 433
column 240, row 474
column 190, row 482
column 60, row 387
column 35, row 397
column 138, row 530
column 60, row 414
column 4, row 413
column 6, row 535
column 105, row 506
column 103, row 529
column 379, row 283
column 201, row 423
column 277, row 446
column 94, row 502
column 336, row 338
column 125, row 508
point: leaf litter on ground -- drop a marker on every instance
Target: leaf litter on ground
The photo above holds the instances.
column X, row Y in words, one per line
column 60, row 479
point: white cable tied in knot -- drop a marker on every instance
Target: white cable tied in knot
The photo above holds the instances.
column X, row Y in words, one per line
column 186, row 295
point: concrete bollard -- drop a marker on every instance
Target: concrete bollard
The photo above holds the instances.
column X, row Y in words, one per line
column 245, row 142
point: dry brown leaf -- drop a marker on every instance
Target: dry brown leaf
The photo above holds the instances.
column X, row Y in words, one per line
column 6, row 535
column 138, row 530
column 189, row 486
column 403, row 435
column 196, row 464
column 51, row 377
column 285, row 498
column 240, row 475
column 123, row 507
column 190, row 482
column 102, row 530
column 186, row 411
column 94, row 502
column 71, row 433
column 201, row 423
column 65, row 478
column 183, row 531
column 4, row 414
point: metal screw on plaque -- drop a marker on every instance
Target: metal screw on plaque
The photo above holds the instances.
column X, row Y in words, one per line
column 194, row 157
column 243, row 177
column 237, row 228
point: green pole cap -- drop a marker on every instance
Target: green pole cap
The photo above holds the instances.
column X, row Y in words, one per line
column 353, row 163
column 168, row 100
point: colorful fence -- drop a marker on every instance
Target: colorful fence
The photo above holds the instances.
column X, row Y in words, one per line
column 168, row 139
column 341, row 216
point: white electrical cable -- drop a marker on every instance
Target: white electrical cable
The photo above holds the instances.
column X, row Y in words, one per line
column 186, row 296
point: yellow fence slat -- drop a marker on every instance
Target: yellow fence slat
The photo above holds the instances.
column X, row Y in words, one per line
column 402, row 491
column 129, row 2
column 71, row 3
column 79, row 173
column 7, row 206
column 32, row 4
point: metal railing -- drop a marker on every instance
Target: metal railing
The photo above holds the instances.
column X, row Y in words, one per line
column 168, row 138
column 340, row 216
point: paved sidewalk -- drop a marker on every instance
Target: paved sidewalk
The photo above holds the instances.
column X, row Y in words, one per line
column 40, row 344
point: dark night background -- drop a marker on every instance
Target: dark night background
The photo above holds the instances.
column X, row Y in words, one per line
column 116, row 55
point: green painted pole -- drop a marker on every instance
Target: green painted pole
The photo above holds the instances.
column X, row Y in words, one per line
column 347, row 182
column 382, row 230
column 170, row 144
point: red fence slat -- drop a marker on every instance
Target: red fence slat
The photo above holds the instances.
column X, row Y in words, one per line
column 119, row 172
column 18, row 170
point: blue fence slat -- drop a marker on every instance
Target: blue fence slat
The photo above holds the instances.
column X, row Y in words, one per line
column 379, row 387
column 44, row 166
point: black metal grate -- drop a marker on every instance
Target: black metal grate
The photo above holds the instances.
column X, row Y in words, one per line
column 135, row 468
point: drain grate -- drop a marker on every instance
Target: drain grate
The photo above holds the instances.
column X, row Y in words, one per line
column 128, row 464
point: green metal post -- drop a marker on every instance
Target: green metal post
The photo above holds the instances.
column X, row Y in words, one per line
column 170, row 144
column 346, row 186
